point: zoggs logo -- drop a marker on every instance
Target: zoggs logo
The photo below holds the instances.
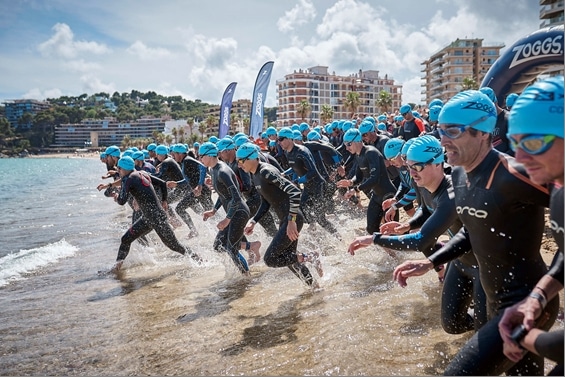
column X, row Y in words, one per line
column 530, row 51
column 226, row 115
column 478, row 213
column 259, row 104
column 433, row 149
column 484, row 107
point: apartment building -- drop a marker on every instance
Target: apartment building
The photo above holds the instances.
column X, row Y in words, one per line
column 105, row 132
column 446, row 70
column 239, row 122
column 317, row 86
column 551, row 14
column 15, row 110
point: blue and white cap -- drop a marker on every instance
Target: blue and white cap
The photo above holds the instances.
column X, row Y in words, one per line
column 393, row 147
column 213, row 139
column 225, row 144
column 297, row 135
column 366, row 126
column 241, row 140
column 126, row 163
column 162, row 149
column 271, row 131
column 346, row 125
column 424, row 149
column 369, row 119
column 295, row 126
column 303, row 127
column 138, row 156
column 151, row 147
column 381, row 118
column 539, row 109
column 286, row 132
column 405, row 109
column 510, row 99
column 471, row 108
column 179, row 148
column 433, row 113
column 113, row 151
column 435, row 102
column 313, row 135
column 352, row 134
column 489, row 92
column 208, row 149
column 381, row 127
column 406, row 145
column 247, row 151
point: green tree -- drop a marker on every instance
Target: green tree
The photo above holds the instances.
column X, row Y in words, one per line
column 326, row 114
column 303, row 109
column 469, row 83
column 352, row 102
column 384, row 102
column 202, row 130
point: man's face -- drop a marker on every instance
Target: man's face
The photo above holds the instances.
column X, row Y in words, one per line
column 463, row 150
column 545, row 167
column 423, row 174
column 353, row 146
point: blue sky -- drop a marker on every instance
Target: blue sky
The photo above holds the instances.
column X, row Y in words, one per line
column 195, row 49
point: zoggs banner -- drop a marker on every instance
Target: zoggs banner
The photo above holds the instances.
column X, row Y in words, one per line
column 526, row 59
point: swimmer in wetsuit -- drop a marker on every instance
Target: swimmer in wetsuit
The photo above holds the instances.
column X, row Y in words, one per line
column 497, row 203
column 139, row 184
column 230, row 229
column 371, row 177
column 436, row 215
column 536, row 135
column 279, row 194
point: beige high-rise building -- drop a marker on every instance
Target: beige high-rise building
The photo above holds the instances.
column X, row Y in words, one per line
column 551, row 14
column 447, row 71
column 318, row 88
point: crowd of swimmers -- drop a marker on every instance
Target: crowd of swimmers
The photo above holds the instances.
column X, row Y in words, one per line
column 473, row 178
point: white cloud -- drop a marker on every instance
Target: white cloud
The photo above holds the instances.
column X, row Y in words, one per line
column 300, row 14
column 62, row 44
column 140, row 50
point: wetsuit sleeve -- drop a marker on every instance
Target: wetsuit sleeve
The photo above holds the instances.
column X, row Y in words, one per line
column 203, row 172
column 556, row 269
column 454, row 248
column 425, row 239
column 123, row 194
column 420, row 217
column 550, row 345
column 234, row 196
column 407, row 198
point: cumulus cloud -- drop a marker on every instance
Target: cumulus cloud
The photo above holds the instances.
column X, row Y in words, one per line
column 300, row 14
column 91, row 84
column 213, row 52
column 63, row 45
column 140, row 50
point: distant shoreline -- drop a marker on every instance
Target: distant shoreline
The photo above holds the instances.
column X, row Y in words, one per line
column 64, row 155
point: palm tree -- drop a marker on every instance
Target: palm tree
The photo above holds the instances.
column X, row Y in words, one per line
column 175, row 133
column 384, row 102
column 326, row 113
column 469, row 83
column 181, row 134
column 303, row 109
column 211, row 121
column 190, row 124
column 126, row 141
column 352, row 102
column 246, row 125
column 202, row 129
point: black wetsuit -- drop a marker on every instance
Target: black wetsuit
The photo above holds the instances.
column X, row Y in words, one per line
column 503, row 216
column 253, row 198
column 194, row 173
column 139, row 184
column 283, row 197
column 314, row 204
column 410, row 129
column 375, row 183
column 499, row 139
column 406, row 192
column 327, row 160
column 462, row 284
column 229, row 197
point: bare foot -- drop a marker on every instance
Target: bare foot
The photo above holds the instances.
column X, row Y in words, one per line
column 314, row 259
column 254, row 254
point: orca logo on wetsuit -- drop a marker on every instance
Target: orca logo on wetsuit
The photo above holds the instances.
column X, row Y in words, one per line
column 555, row 227
column 478, row 213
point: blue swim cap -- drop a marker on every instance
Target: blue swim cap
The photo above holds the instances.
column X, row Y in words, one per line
column 399, row 118
column 381, row 118
column 271, row 131
column 407, row 145
column 196, row 144
column 433, row 114
column 286, row 132
column 303, row 127
column 240, row 140
column 297, row 135
column 225, row 144
column 113, row 151
column 179, row 148
column 313, row 135
column 161, row 149
column 405, row 108
column 102, row 155
column 346, row 125
column 489, row 92
column 352, row 134
column 424, row 149
column 145, row 153
column 239, row 134
column 366, row 126
column 127, row 152
column 510, row 99
column 369, row 119
column 539, row 109
column 151, row 147
column 272, row 143
column 138, row 156
column 135, row 149
column 295, row 127
column 381, row 126
column 416, row 114
column 247, row 150
column 126, row 163
column 470, row 107
column 208, row 149
column 264, row 135
column 435, row 102
column 213, row 139
column 393, row 147
column 333, row 126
